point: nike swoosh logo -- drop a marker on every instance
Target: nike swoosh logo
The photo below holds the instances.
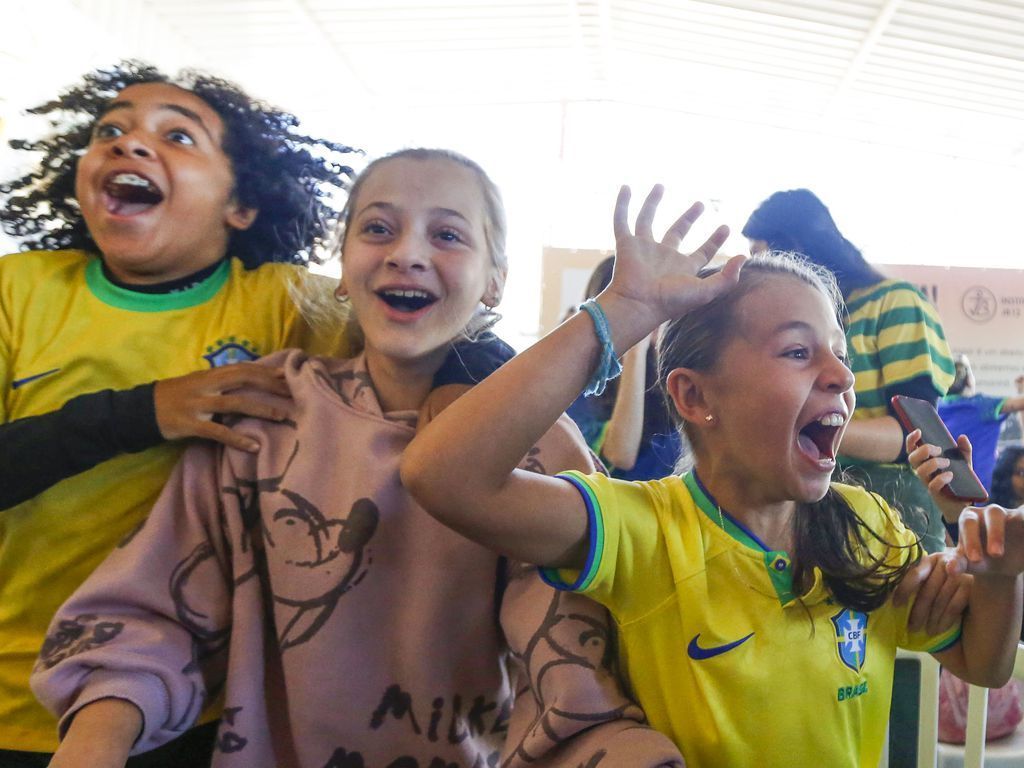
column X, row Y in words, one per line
column 696, row 652
column 29, row 379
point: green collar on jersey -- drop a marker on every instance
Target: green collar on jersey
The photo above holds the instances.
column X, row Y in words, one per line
column 776, row 563
column 133, row 301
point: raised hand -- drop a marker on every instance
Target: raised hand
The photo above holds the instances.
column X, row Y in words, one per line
column 186, row 405
column 992, row 540
column 654, row 274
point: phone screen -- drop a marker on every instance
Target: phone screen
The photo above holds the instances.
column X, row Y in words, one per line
column 920, row 414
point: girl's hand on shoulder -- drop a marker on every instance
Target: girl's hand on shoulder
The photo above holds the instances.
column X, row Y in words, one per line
column 654, row 275
column 930, row 466
column 992, row 540
column 186, row 405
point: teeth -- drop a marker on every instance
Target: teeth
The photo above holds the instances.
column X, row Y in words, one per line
column 408, row 294
column 132, row 179
column 832, row 420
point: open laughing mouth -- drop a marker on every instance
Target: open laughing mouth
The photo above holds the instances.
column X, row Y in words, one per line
column 406, row 300
column 819, row 439
column 128, row 194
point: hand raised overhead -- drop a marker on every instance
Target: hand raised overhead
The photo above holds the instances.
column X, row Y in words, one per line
column 654, row 274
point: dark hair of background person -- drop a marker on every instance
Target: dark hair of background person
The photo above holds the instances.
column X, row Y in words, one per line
column 1002, row 478
column 277, row 169
column 797, row 221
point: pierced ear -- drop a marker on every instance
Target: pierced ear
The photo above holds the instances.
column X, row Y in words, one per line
column 685, row 388
column 240, row 217
column 495, row 287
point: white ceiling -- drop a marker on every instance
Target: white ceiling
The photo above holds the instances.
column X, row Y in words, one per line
column 940, row 75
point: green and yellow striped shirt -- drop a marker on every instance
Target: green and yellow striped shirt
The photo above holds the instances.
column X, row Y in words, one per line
column 894, row 335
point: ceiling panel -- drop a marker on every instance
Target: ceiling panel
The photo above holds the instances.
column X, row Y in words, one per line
column 945, row 69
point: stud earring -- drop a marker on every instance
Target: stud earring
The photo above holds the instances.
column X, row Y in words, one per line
column 709, row 418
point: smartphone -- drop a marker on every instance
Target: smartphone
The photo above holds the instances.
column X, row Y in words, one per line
column 920, row 414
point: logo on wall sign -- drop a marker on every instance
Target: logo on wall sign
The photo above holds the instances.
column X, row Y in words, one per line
column 851, row 637
column 230, row 350
column 979, row 304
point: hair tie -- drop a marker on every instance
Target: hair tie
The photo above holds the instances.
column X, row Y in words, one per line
column 608, row 366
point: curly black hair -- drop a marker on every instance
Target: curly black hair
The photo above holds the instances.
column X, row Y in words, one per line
column 288, row 176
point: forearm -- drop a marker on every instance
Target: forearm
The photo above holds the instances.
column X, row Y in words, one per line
column 514, row 403
column 37, row 452
column 526, row 516
column 625, row 428
column 991, row 627
column 100, row 736
column 879, row 439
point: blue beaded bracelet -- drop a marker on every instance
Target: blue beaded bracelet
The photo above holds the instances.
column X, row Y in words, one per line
column 608, row 367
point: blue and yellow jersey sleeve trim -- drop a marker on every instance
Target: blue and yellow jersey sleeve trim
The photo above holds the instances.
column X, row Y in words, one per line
column 569, row 579
column 947, row 641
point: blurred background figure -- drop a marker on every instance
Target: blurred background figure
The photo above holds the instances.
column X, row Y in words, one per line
column 628, row 425
column 967, row 412
column 1008, row 478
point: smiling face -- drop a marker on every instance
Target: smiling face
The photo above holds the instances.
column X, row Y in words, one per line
column 415, row 262
column 780, row 394
column 155, row 186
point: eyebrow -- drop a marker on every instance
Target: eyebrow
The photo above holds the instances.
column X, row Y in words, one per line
column 799, row 325
column 394, row 208
column 183, row 111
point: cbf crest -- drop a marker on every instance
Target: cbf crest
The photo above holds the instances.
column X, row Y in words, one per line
column 230, row 350
column 851, row 637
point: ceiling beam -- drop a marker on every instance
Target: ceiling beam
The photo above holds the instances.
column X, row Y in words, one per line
column 867, row 47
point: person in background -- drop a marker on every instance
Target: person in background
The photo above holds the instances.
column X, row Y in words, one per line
column 628, row 425
column 1008, row 478
column 965, row 411
column 896, row 345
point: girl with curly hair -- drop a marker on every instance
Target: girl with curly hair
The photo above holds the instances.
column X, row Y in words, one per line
column 162, row 229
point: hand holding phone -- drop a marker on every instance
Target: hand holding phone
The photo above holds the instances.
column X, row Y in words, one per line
column 962, row 484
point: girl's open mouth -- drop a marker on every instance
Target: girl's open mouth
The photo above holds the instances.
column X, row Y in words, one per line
column 128, row 194
column 406, row 300
column 819, row 439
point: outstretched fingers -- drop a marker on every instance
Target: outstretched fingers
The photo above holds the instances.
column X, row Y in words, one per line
column 724, row 280
column 645, row 219
column 675, row 234
column 620, row 219
column 710, row 247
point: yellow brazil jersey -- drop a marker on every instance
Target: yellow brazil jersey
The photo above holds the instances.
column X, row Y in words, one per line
column 66, row 330
column 719, row 652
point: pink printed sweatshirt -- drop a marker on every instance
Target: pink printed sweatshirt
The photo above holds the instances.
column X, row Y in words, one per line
column 341, row 624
